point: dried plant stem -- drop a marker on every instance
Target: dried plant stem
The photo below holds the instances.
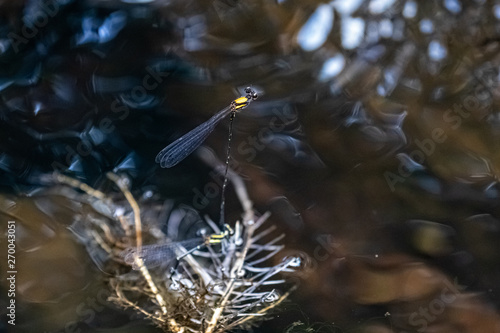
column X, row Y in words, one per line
column 248, row 221
column 250, row 227
column 242, row 194
column 78, row 184
column 262, row 311
column 101, row 242
column 235, row 272
column 123, row 299
column 138, row 233
column 135, row 207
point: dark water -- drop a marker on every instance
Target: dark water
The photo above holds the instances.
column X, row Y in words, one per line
column 374, row 144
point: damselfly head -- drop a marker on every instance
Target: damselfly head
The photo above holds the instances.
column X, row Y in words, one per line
column 251, row 94
column 228, row 231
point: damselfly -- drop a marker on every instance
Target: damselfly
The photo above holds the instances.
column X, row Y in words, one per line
column 163, row 254
column 186, row 144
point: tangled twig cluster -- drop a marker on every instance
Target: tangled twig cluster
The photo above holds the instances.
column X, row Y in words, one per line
column 215, row 288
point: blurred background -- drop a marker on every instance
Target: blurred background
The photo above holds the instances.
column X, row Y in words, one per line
column 374, row 144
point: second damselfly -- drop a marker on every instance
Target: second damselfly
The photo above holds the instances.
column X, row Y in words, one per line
column 165, row 254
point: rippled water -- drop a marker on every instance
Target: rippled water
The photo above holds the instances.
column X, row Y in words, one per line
column 374, row 144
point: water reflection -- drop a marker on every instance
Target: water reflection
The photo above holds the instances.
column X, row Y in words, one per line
column 374, row 145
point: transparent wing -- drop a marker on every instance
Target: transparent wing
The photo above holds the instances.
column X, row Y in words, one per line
column 186, row 144
column 158, row 254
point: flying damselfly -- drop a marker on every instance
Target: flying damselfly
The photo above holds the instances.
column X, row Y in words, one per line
column 178, row 150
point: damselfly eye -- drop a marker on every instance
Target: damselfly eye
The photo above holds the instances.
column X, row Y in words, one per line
column 251, row 93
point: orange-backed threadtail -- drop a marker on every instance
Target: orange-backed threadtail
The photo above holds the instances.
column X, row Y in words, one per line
column 241, row 102
column 164, row 253
column 186, row 144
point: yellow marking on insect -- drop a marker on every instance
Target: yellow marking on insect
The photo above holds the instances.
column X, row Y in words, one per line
column 241, row 100
column 218, row 238
column 240, row 103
